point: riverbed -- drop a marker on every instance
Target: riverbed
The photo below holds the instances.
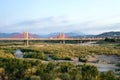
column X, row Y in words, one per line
column 105, row 63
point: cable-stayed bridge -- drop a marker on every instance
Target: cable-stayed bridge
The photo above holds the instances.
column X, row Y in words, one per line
column 26, row 37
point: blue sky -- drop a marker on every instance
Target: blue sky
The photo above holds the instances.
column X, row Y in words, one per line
column 46, row 16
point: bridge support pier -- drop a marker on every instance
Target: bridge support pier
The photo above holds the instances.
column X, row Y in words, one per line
column 80, row 41
column 26, row 36
column 26, row 43
column 62, row 41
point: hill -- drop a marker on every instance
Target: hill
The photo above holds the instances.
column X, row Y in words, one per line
column 69, row 34
column 55, row 34
column 109, row 34
column 7, row 35
column 16, row 35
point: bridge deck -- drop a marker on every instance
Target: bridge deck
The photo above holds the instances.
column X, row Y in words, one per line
column 18, row 39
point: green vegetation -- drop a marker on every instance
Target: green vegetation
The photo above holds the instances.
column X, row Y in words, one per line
column 118, row 70
column 34, row 68
column 19, row 69
column 108, row 76
column 109, row 42
column 62, row 52
column 36, row 54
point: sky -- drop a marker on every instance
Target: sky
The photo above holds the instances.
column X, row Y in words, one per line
column 49, row 16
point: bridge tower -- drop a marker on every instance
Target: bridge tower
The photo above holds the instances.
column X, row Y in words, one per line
column 26, row 36
column 62, row 35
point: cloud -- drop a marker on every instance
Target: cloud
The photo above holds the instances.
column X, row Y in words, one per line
column 60, row 24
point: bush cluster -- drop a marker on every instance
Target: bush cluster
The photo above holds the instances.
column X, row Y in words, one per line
column 19, row 69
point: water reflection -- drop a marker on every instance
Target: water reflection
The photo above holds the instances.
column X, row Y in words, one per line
column 103, row 69
column 18, row 53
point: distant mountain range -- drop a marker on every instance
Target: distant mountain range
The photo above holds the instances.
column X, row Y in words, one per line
column 109, row 34
column 69, row 34
column 21, row 35
column 7, row 35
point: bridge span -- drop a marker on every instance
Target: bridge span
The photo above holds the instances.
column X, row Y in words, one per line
column 83, row 39
column 61, row 37
column 62, row 40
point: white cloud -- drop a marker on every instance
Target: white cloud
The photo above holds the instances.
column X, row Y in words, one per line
column 64, row 24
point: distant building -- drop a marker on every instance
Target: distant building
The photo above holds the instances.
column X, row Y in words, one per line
column 18, row 54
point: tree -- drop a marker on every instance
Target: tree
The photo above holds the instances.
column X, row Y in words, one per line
column 89, row 72
column 107, row 76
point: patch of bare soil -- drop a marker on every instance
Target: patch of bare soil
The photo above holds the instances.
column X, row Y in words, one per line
column 108, row 59
column 102, row 62
column 105, row 62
